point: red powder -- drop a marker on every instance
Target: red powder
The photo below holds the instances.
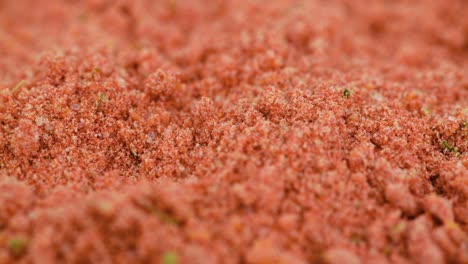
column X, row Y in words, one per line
column 233, row 131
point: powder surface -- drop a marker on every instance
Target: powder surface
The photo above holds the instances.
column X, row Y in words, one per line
column 242, row 131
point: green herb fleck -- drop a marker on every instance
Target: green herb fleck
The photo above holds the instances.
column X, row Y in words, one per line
column 104, row 207
column 17, row 86
column 164, row 217
column 95, row 72
column 387, row 250
column 17, row 245
column 161, row 215
column 169, row 257
column 398, row 227
column 356, row 239
column 447, row 146
column 83, row 17
column 346, row 93
column 426, row 110
column 102, row 98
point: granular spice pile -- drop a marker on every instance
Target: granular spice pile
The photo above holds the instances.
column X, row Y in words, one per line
column 141, row 131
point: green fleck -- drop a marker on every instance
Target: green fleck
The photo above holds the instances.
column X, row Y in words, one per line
column 103, row 98
column 83, row 17
column 465, row 111
column 387, row 250
column 169, row 257
column 17, row 86
column 95, row 72
column 346, row 93
column 398, row 227
column 17, row 245
column 465, row 124
column 426, row 110
column 447, row 146
column 164, row 217
column 356, row 239
column 29, row 73
column 104, row 207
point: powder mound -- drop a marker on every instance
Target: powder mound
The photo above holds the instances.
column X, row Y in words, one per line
column 278, row 131
column 24, row 141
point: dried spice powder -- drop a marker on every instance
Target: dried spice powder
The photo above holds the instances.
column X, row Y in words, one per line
column 233, row 131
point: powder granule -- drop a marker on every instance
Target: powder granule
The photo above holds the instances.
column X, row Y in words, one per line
column 421, row 246
column 439, row 207
column 397, row 195
column 265, row 252
column 24, row 140
column 338, row 255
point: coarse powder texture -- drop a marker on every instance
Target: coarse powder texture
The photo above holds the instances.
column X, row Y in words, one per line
column 242, row 131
